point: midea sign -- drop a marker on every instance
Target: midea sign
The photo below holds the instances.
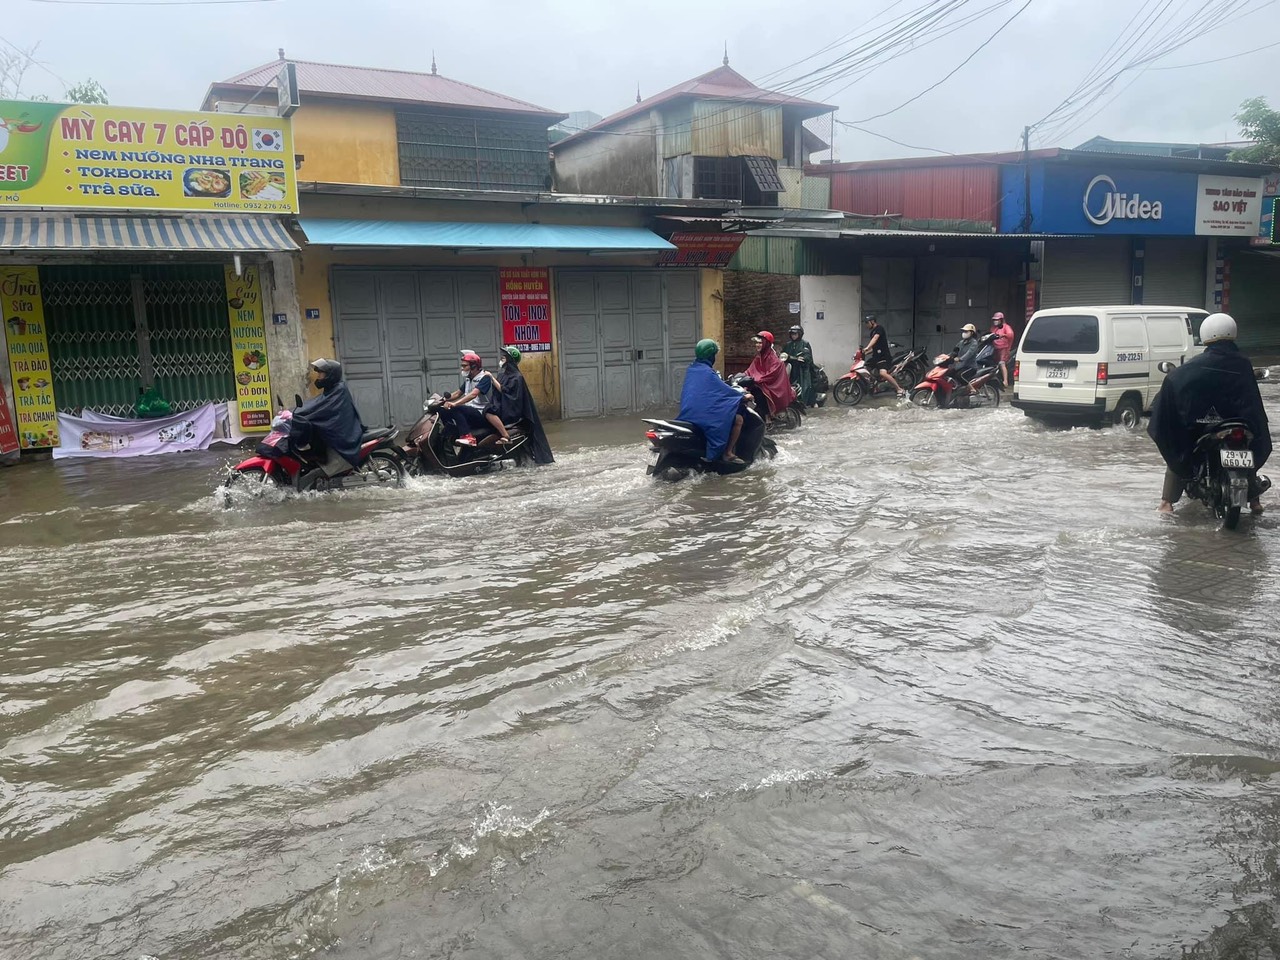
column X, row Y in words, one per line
column 1103, row 202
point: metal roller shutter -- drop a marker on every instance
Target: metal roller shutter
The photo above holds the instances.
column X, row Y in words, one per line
column 1175, row 271
column 1255, row 301
column 1086, row 273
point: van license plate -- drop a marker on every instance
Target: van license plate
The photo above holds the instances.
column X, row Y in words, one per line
column 1237, row 459
column 1057, row 373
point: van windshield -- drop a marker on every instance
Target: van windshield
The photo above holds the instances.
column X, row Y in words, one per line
column 1064, row 334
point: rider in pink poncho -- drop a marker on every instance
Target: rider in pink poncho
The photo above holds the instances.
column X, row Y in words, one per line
column 768, row 370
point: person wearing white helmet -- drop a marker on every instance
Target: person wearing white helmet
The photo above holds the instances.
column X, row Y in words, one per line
column 1217, row 385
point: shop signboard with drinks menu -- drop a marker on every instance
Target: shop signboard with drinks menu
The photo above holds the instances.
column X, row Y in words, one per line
column 28, row 357
column 98, row 156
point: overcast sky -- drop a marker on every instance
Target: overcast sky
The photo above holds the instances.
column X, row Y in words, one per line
column 590, row 54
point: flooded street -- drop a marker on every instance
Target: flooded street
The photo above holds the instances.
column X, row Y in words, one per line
column 928, row 685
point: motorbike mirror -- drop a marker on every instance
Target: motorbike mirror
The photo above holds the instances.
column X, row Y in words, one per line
column 1166, row 366
column 279, row 402
column 297, row 399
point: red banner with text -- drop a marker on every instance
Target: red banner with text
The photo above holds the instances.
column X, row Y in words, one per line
column 525, row 297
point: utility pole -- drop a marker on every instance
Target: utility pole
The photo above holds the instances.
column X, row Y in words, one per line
column 1026, row 179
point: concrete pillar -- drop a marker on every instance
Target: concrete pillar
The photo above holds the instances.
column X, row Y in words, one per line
column 286, row 345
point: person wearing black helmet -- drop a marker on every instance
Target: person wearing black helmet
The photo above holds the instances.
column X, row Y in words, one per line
column 876, row 353
column 800, row 358
column 511, row 401
column 327, row 428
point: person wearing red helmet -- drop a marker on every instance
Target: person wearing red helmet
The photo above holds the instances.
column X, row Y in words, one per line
column 768, row 370
column 463, row 409
column 1005, row 337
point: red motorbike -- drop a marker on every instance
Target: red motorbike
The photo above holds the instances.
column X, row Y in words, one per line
column 945, row 387
column 861, row 381
column 278, row 463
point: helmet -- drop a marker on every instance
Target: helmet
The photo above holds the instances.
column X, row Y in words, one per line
column 471, row 358
column 997, row 316
column 796, row 328
column 764, row 336
column 968, row 328
column 330, row 372
column 706, row 350
column 1217, row 326
column 512, row 354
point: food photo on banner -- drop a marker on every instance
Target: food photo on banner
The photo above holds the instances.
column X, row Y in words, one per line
column 525, row 298
column 61, row 155
column 98, row 435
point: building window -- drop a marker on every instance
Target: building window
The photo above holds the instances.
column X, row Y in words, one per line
column 717, row 178
column 752, row 180
column 472, row 153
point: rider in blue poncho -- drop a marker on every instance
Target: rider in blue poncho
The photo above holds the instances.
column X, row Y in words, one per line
column 711, row 404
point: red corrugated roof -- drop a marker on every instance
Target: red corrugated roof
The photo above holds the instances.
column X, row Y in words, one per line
column 372, row 83
column 722, row 83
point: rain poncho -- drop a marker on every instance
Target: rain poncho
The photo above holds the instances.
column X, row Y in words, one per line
column 333, row 415
column 1219, row 384
column 710, row 404
column 514, row 403
column 768, row 370
column 801, row 356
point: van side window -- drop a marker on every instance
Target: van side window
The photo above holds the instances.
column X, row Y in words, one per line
column 1193, row 326
column 1128, row 334
column 1167, row 332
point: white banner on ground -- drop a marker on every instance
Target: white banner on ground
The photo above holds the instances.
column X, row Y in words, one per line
column 226, row 422
column 102, row 436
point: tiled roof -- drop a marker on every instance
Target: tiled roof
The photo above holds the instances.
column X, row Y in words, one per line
column 371, row 83
column 722, row 83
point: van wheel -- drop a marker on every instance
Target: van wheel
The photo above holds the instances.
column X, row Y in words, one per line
column 1128, row 414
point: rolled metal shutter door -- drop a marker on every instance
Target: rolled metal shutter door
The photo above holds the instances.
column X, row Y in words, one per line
column 1080, row 273
column 1255, row 301
column 1175, row 272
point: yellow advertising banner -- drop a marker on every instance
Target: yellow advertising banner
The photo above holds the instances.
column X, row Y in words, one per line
column 29, row 357
column 249, row 348
column 60, row 155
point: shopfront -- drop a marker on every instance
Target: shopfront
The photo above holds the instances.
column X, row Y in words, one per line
column 1131, row 229
column 604, row 328
column 145, row 267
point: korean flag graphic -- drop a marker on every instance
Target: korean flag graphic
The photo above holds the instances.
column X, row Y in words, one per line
column 268, row 140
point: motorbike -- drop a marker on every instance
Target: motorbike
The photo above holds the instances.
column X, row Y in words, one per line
column 786, row 419
column 821, row 384
column 944, row 387
column 861, row 381
column 681, row 447
column 1223, row 471
column 280, row 462
column 427, row 448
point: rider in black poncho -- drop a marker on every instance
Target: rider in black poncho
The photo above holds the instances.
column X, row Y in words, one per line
column 512, row 402
column 329, row 425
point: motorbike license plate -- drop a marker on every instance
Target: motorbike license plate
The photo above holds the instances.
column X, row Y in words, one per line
column 1057, row 373
column 1237, row 459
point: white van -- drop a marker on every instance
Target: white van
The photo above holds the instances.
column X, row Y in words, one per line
column 1099, row 365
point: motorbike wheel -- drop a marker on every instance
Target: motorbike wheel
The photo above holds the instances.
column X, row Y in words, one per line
column 1230, row 514
column 790, row 418
column 987, row 396
column 382, row 466
column 925, row 398
column 253, row 477
column 673, row 474
column 769, row 448
column 848, row 391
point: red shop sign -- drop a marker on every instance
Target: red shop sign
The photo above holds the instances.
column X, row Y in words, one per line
column 701, row 249
column 524, row 294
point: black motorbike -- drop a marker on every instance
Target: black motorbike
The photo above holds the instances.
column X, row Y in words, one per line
column 680, row 446
column 1223, row 476
column 821, row 383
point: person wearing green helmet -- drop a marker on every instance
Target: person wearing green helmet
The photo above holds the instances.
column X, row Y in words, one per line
column 711, row 405
column 511, row 402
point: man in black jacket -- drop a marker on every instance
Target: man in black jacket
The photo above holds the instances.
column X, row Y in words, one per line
column 1217, row 385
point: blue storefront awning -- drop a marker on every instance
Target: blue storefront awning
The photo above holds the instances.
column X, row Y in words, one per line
column 480, row 236
column 85, row 233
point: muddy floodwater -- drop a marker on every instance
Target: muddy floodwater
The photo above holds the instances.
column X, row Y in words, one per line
column 927, row 685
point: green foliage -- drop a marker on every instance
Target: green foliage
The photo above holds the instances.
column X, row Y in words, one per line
column 1260, row 123
column 87, row 91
